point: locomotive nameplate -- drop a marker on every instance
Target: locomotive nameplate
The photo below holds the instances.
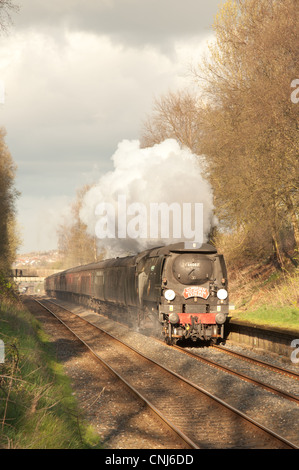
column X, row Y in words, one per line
column 196, row 291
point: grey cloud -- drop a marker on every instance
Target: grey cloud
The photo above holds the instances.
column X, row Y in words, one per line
column 70, row 98
column 134, row 22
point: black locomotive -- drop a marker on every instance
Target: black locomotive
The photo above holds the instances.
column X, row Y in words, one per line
column 183, row 291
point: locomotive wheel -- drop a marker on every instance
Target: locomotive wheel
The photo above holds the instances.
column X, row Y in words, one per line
column 171, row 341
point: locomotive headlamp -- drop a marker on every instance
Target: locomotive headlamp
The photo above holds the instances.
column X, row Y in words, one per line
column 169, row 294
column 220, row 318
column 222, row 294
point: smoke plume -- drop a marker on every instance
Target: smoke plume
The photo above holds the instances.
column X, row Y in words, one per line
column 141, row 179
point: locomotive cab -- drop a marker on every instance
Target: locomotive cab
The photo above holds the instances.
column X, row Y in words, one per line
column 194, row 299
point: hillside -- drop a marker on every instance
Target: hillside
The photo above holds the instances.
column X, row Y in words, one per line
column 37, row 259
column 262, row 294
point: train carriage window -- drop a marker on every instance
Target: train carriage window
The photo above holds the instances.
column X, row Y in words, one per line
column 150, row 283
column 153, row 267
column 111, row 283
column 99, row 284
column 130, row 285
column 76, row 282
column 99, row 278
column 85, row 283
column 121, row 284
column 68, row 282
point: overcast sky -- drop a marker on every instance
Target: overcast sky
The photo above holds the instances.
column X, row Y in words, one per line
column 80, row 76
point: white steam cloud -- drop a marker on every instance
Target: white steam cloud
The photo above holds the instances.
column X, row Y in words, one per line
column 120, row 204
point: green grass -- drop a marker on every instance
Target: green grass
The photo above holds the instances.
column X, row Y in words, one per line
column 283, row 317
column 37, row 408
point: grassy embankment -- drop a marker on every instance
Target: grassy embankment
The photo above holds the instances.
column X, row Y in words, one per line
column 37, row 408
column 263, row 295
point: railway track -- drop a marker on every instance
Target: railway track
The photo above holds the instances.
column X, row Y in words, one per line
column 255, row 361
column 200, row 418
column 247, row 377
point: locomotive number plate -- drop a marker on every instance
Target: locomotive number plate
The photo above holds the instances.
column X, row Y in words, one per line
column 196, row 291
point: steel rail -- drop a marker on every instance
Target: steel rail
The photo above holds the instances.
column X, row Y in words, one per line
column 174, row 428
column 245, row 357
column 243, row 376
column 200, row 389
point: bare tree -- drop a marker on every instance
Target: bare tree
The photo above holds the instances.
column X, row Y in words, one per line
column 76, row 245
column 7, row 7
column 175, row 115
column 8, row 194
column 249, row 130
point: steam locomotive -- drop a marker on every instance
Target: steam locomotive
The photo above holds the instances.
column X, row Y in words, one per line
column 180, row 290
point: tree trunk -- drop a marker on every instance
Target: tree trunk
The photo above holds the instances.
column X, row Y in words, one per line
column 276, row 251
column 294, row 221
